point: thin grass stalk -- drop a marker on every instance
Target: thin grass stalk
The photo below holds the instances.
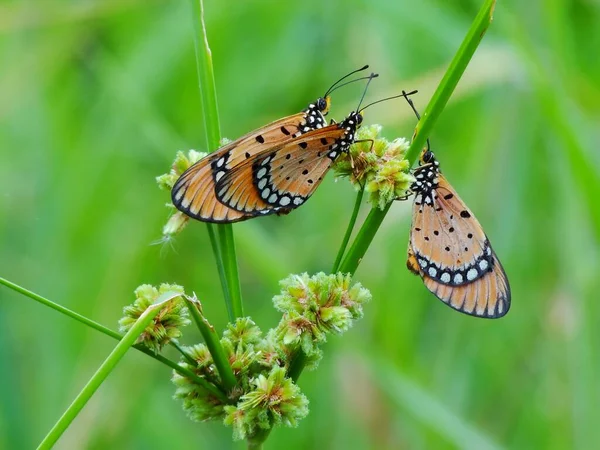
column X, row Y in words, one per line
column 224, row 248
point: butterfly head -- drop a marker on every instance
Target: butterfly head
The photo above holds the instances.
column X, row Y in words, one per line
column 350, row 124
column 428, row 157
column 323, row 104
column 426, row 175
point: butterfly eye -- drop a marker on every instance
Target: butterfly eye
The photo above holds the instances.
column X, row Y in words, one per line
column 321, row 104
column 427, row 156
column 359, row 118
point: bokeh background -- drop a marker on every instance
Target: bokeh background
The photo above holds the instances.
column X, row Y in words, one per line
column 96, row 98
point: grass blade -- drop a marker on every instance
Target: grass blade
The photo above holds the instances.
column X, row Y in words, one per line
column 105, row 369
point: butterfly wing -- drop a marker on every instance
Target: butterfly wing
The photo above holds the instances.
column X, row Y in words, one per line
column 450, row 251
column 194, row 191
column 281, row 178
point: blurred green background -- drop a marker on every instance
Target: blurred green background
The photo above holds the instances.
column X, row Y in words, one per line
column 97, row 96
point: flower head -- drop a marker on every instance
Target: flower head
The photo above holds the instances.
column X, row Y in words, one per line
column 167, row 323
column 316, row 306
column 198, row 403
column 177, row 221
column 376, row 165
column 274, row 400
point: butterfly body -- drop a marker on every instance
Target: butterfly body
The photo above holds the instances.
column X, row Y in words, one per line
column 449, row 249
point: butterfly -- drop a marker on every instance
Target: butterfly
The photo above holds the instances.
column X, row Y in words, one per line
column 194, row 192
column 449, row 249
column 284, row 177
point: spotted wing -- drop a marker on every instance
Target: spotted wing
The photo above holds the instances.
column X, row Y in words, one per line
column 194, row 191
column 453, row 255
column 283, row 177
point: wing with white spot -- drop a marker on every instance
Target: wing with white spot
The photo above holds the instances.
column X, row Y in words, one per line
column 194, row 191
column 450, row 250
column 281, row 177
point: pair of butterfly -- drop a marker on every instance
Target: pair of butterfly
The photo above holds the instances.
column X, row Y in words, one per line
column 276, row 168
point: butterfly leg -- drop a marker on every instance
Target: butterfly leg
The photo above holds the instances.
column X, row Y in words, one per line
column 367, row 140
column 405, row 196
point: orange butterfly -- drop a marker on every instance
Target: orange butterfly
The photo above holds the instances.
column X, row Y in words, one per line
column 449, row 249
column 194, row 191
column 284, row 177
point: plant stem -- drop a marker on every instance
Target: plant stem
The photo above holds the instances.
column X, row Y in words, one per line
column 363, row 239
column 105, row 369
column 451, row 78
column 435, row 107
column 429, row 118
column 224, row 250
column 256, row 441
column 340, row 254
column 61, row 309
column 297, row 365
column 113, row 334
column 185, row 354
column 213, row 343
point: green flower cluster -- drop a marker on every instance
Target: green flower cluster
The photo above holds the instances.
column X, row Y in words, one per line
column 166, row 325
column 273, row 400
column 182, row 163
column 316, row 306
column 377, row 165
column 264, row 396
column 178, row 220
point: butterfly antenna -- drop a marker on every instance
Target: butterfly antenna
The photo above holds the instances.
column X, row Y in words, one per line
column 412, row 105
column 373, row 75
column 404, row 94
column 330, row 90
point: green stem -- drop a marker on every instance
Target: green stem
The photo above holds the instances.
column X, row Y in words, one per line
column 451, row 78
column 231, row 271
column 363, row 239
column 61, row 309
column 435, row 107
column 105, row 369
column 216, row 247
column 224, row 251
column 185, row 354
column 256, row 441
column 338, row 258
column 423, row 129
column 113, row 334
column 297, row 365
column 213, row 343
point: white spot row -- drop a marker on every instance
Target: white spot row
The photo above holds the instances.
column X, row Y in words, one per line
column 471, row 274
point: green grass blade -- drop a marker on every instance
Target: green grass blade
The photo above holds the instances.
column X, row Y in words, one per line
column 342, row 250
column 225, row 255
column 213, row 343
column 61, row 309
column 451, row 78
column 423, row 129
column 105, row 369
column 113, row 334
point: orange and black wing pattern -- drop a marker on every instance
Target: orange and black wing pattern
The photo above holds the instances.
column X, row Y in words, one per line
column 284, row 177
column 194, row 191
column 449, row 249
